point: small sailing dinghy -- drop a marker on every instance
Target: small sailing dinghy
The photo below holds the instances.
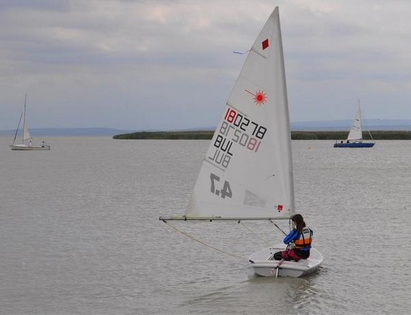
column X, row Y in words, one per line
column 354, row 139
column 247, row 171
column 27, row 141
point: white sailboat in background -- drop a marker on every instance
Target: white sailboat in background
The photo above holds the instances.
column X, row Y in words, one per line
column 27, row 141
column 354, row 138
column 247, row 173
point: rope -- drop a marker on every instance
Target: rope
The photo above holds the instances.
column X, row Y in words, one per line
column 255, row 234
column 278, row 227
column 205, row 244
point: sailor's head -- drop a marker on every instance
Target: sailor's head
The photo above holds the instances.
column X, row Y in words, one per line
column 297, row 219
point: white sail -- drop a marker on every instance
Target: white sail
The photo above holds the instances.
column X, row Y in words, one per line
column 355, row 133
column 247, row 172
column 26, row 134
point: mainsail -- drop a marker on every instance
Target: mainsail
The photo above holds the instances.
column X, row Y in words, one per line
column 355, row 133
column 247, row 172
column 26, row 134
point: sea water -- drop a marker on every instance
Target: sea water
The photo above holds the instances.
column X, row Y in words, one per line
column 79, row 232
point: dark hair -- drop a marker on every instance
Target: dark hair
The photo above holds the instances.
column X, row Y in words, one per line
column 299, row 221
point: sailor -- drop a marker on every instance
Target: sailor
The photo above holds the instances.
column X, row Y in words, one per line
column 298, row 241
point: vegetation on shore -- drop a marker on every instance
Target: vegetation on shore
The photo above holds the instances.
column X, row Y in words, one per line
column 166, row 135
column 341, row 135
column 295, row 135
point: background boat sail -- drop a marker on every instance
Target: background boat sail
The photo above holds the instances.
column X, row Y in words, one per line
column 247, row 173
column 27, row 141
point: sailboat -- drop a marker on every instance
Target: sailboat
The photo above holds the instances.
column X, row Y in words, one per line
column 247, row 171
column 354, row 139
column 27, row 141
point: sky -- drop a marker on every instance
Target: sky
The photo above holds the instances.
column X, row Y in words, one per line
column 169, row 64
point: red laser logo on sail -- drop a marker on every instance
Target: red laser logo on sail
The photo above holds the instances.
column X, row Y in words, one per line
column 259, row 97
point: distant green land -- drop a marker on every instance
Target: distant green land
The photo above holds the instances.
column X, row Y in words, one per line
column 295, row 135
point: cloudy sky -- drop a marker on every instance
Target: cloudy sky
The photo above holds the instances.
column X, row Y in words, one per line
column 168, row 64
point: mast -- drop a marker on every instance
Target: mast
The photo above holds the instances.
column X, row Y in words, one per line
column 359, row 110
column 24, row 119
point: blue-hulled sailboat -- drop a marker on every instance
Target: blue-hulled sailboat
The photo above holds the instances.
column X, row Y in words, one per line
column 354, row 139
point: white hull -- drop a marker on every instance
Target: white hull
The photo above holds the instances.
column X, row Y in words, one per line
column 265, row 265
column 23, row 147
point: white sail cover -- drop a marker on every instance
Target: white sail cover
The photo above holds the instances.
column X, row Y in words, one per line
column 247, row 172
column 355, row 133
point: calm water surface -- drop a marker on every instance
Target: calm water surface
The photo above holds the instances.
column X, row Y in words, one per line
column 80, row 232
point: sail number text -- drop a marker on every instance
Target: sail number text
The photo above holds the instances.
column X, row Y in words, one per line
column 224, row 191
column 246, row 125
column 236, row 129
